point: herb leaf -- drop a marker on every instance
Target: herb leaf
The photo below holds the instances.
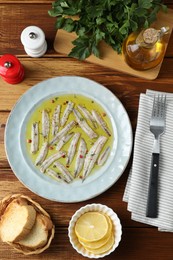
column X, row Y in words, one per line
column 107, row 20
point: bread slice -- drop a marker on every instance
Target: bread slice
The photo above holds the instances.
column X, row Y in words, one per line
column 17, row 220
column 38, row 235
column 45, row 218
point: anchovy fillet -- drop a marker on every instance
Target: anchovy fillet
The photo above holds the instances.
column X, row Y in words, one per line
column 63, row 141
column 87, row 115
column 83, row 124
column 55, row 175
column 92, row 156
column 103, row 156
column 34, row 137
column 67, row 112
column 72, row 148
column 56, row 120
column 61, row 133
column 80, row 157
column 101, row 122
column 42, row 154
column 66, row 174
column 45, row 124
column 50, row 160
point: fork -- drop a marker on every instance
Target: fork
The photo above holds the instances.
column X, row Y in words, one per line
column 157, row 127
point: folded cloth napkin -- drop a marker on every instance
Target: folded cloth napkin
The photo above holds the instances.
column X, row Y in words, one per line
column 136, row 191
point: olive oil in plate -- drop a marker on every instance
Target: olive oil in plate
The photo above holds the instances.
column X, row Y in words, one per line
column 49, row 105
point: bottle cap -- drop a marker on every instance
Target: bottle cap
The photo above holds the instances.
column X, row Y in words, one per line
column 150, row 36
column 33, row 40
column 11, row 69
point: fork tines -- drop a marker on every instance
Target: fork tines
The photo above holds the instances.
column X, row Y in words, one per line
column 159, row 105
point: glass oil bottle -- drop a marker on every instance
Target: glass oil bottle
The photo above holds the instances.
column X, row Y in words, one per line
column 146, row 49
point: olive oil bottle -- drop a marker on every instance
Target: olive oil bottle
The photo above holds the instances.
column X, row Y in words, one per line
column 145, row 49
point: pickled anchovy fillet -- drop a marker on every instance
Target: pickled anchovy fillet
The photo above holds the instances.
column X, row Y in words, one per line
column 101, row 122
column 61, row 133
column 72, row 148
column 42, row 154
column 103, row 156
column 45, row 124
column 67, row 112
column 87, row 115
column 92, row 156
column 50, row 160
column 80, row 157
column 63, row 141
column 56, row 120
column 34, row 137
column 66, row 174
column 83, row 124
column 55, row 175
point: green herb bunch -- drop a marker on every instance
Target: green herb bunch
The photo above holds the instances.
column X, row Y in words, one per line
column 103, row 20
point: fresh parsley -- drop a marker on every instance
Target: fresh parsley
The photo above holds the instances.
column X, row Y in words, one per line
column 103, row 20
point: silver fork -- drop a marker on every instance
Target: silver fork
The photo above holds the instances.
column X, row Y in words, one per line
column 157, row 127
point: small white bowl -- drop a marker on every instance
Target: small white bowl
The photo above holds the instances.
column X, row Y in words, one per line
column 99, row 208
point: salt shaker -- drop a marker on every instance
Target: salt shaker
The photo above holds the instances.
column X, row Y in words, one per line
column 33, row 40
column 11, row 70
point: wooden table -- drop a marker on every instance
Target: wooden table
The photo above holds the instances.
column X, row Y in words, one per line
column 139, row 241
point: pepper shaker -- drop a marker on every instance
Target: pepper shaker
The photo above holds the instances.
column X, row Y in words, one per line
column 33, row 40
column 11, row 70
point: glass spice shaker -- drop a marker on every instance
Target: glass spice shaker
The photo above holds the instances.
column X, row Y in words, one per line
column 146, row 49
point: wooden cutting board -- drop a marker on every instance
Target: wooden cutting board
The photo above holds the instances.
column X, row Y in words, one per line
column 109, row 58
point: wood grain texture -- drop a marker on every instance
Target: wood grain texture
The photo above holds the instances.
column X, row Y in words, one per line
column 129, row 248
column 139, row 241
column 37, row 70
column 26, row 2
column 22, row 16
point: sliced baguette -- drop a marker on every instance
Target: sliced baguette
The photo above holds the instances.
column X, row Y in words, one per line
column 17, row 220
column 38, row 235
column 4, row 203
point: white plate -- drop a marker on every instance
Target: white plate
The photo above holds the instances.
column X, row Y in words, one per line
column 44, row 186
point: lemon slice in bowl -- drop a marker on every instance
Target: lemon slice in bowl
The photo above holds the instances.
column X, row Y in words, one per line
column 91, row 227
column 103, row 249
column 100, row 247
column 101, row 242
column 95, row 244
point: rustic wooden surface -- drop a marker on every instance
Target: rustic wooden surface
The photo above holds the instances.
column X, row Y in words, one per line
column 139, row 241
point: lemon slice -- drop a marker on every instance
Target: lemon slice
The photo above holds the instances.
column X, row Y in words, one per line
column 103, row 249
column 101, row 242
column 91, row 226
column 95, row 244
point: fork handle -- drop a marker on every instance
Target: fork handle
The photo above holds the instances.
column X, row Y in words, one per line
column 152, row 203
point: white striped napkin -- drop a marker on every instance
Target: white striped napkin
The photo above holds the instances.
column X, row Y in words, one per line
column 136, row 190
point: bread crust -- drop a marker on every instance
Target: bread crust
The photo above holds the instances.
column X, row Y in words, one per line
column 18, row 209
column 45, row 218
column 39, row 233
